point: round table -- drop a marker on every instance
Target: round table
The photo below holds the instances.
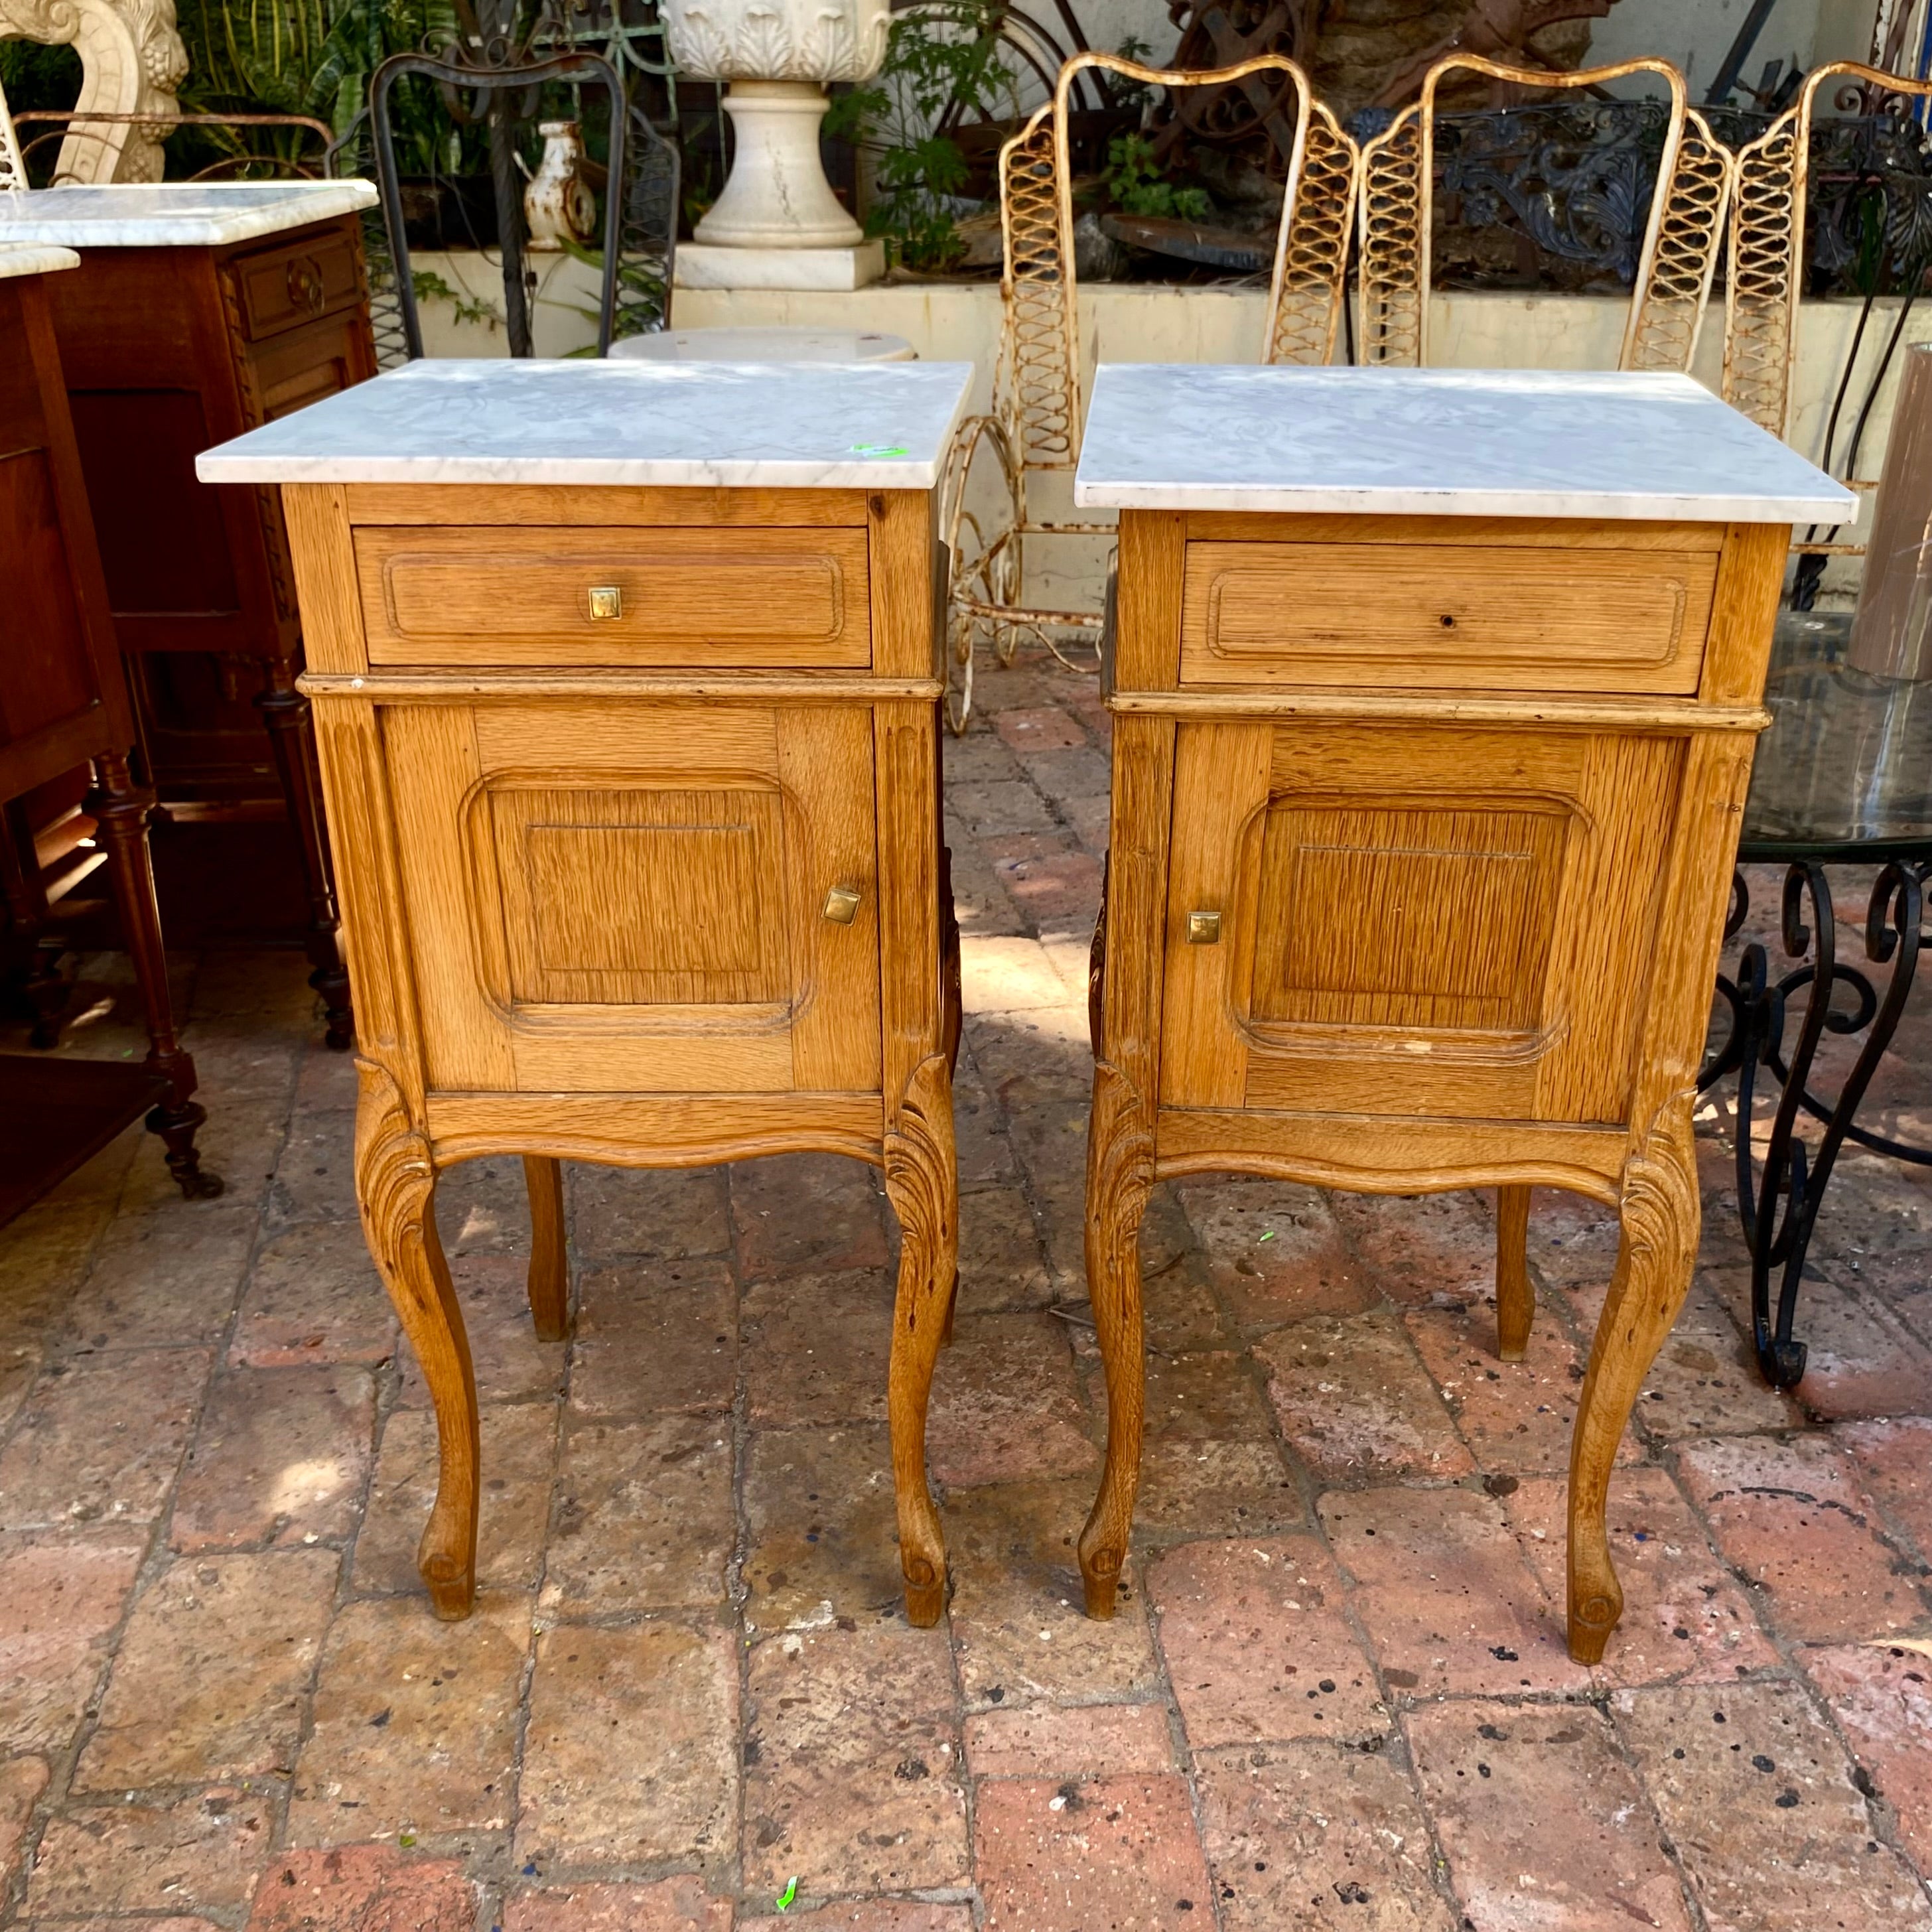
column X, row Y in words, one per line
column 765, row 345
column 1843, row 776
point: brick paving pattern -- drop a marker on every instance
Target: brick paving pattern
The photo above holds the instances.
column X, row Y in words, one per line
column 1336, row 1694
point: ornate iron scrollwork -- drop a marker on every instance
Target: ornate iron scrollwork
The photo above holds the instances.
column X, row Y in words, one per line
column 1778, row 1203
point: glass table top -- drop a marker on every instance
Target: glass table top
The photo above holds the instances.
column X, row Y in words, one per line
column 1845, row 770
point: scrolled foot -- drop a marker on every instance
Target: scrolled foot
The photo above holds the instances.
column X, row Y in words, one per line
column 1100, row 1577
column 450, row 1576
column 1592, row 1617
column 925, row 1589
column 1782, row 1363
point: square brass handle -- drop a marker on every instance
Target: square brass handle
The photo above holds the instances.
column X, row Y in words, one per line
column 607, row 600
column 841, row 905
column 1203, row 928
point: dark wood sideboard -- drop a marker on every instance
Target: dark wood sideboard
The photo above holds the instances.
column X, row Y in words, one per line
column 63, row 703
column 168, row 350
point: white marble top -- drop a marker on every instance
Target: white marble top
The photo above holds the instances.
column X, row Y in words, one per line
column 28, row 259
column 779, row 343
column 839, row 426
column 175, row 214
column 1465, row 442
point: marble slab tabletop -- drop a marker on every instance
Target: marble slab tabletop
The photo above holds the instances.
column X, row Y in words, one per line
column 1467, row 442
column 826, row 426
column 31, row 259
column 175, row 214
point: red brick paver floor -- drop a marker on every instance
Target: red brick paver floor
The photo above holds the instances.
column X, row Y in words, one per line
column 1336, row 1694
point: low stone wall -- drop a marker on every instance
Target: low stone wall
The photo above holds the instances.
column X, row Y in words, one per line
column 1143, row 322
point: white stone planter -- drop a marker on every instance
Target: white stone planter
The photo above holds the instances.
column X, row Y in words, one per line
column 778, row 216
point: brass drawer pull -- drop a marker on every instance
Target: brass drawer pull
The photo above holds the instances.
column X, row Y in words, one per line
column 607, row 600
column 841, row 905
column 1203, row 928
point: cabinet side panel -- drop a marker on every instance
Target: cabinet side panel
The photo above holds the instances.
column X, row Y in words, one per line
column 323, row 557
column 1751, row 580
column 904, row 644
column 1152, row 562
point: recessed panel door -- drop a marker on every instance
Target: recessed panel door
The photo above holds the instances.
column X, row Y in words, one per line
column 1413, row 920
column 640, row 897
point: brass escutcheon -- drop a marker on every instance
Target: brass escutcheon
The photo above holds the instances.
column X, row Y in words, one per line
column 841, row 905
column 1203, row 928
column 606, row 601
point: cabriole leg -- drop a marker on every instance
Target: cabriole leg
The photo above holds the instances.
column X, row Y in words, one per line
column 395, row 1187
column 549, row 1258
column 1120, row 1175
column 1659, row 1244
column 922, row 1184
column 1516, row 1299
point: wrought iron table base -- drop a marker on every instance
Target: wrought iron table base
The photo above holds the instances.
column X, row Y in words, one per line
column 1779, row 1207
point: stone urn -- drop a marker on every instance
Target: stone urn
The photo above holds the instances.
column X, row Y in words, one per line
column 777, row 56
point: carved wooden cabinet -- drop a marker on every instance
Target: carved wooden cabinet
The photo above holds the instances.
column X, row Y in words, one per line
column 201, row 310
column 63, row 704
column 626, row 689
column 1434, row 695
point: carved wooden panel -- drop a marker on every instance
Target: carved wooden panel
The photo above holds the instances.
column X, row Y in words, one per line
column 633, row 895
column 709, row 598
column 1424, row 920
column 1498, row 615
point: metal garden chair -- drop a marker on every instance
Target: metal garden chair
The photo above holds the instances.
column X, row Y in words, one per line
column 1674, row 269
column 1767, row 266
column 1034, row 424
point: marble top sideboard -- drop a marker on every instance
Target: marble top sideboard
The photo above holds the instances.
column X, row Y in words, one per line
column 855, row 426
column 31, row 259
column 175, row 214
column 1438, row 443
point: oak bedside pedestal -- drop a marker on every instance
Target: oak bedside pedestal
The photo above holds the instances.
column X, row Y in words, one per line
column 200, row 310
column 626, row 687
column 1434, row 693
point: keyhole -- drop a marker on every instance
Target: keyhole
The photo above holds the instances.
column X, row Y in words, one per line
column 1448, row 622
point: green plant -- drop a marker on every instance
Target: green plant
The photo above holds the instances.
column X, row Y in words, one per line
column 430, row 287
column 945, row 53
column 1139, row 185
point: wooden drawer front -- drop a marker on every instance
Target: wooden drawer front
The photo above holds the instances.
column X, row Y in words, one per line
column 1423, row 920
column 282, row 288
column 630, row 898
column 684, row 597
column 1473, row 616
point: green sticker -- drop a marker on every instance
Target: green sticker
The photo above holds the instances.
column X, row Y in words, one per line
column 878, row 449
column 786, row 1897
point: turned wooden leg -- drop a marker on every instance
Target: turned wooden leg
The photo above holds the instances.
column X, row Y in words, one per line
column 1654, row 1256
column 550, row 1259
column 1516, row 1299
column 922, row 1183
column 1120, row 1174
column 120, row 809
column 395, row 1187
column 291, row 736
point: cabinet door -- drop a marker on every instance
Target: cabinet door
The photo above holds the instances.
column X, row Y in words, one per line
column 633, row 897
column 1415, row 920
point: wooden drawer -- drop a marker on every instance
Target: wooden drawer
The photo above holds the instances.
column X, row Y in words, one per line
column 1482, row 616
column 282, row 287
column 692, row 597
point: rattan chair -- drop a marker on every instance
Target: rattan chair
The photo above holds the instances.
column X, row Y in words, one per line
column 1679, row 257
column 1767, row 263
column 1034, row 425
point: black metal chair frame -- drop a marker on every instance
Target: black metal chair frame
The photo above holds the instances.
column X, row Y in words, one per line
column 574, row 67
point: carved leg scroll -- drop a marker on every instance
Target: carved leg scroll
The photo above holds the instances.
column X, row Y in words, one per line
column 549, row 1258
column 1120, row 1174
column 922, row 1183
column 1659, row 1243
column 1516, row 1299
column 395, row 1186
